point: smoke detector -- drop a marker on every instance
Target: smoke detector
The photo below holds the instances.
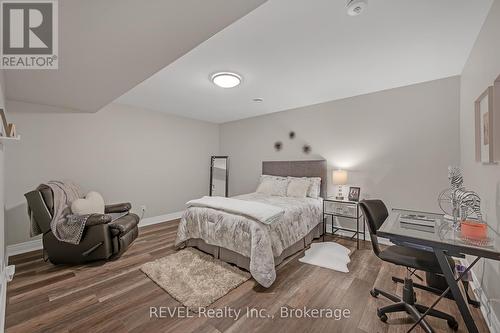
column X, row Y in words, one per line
column 356, row 7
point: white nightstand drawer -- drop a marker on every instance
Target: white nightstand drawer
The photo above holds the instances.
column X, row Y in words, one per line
column 332, row 207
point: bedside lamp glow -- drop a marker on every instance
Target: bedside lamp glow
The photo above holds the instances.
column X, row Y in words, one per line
column 339, row 178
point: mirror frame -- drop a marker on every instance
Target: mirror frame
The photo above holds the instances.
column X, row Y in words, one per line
column 212, row 159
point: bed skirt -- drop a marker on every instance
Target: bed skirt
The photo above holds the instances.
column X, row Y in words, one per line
column 244, row 262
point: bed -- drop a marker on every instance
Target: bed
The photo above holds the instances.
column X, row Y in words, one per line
column 250, row 244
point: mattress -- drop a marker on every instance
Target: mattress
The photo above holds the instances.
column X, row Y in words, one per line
column 258, row 242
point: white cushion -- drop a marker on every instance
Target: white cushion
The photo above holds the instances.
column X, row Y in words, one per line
column 314, row 189
column 273, row 185
column 266, row 187
column 92, row 204
column 298, row 187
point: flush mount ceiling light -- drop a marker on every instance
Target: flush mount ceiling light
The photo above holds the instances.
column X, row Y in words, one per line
column 356, row 7
column 226, row 79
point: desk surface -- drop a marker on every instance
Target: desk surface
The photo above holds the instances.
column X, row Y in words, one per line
column 441, row 235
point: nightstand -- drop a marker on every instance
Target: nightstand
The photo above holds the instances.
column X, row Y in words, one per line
column 344, row 209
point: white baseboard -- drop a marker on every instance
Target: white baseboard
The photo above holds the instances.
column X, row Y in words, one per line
column 32, row 245
column 490, row 317
column 36, row 244
column 160, row 218
column 3, row 292
column 3, row 295
column 383, row 241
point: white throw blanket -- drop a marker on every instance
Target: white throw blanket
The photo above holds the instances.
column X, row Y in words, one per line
column 66, row 226
column 261, row 212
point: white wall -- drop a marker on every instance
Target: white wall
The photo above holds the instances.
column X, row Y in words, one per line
column 127, row 154
column 396, row 144
column 3, row 289
column 481, row 69
column 2, row 224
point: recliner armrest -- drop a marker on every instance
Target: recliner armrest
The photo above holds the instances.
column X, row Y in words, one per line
column 124, row 224
column 96, row 219
column 118, row 208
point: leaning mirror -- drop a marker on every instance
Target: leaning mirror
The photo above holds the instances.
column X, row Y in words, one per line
column 219, row 176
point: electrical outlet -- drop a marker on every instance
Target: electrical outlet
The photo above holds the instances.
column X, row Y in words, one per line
column 143, row 208
column 9, row 272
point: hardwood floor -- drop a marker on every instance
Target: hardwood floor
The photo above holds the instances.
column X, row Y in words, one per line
column 116, row 296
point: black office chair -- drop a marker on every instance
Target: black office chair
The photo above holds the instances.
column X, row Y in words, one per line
column 376, row 213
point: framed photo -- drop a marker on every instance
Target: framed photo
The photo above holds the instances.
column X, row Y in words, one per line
column 354, row 193
column 487, row 125
column 483, row 108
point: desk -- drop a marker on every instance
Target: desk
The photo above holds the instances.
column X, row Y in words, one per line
column 444, row 241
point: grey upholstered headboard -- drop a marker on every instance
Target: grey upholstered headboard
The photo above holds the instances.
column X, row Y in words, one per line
column 316, row 168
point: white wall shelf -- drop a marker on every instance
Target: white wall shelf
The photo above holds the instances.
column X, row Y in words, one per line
column 6, row 138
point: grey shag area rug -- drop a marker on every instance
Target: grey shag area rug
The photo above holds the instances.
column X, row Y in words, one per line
column 194, row 278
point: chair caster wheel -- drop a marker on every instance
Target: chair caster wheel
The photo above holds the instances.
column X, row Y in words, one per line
column 453, row 325
column 382, row 317
column 374, row 293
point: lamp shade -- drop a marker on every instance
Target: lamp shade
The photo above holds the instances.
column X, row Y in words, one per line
column 339, row 177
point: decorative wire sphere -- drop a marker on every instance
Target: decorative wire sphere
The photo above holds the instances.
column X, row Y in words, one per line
column 463, row 203
column 445, row 201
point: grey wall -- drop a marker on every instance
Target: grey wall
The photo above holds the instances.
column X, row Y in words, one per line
column 481, row 69
column 126, row 154
column 396, row 144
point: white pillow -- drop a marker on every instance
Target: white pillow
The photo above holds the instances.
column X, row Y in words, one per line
column 266, row 187
column 275, row 178
column 273, row 185
column 298, row 187
column 315, row 187
column 92, row 204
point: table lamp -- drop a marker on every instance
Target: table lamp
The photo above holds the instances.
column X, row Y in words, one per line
column 339, row 178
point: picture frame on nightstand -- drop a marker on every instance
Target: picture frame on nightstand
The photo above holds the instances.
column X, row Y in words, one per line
column 354, row 193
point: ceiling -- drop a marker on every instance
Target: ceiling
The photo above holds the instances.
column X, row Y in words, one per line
column 295, row 53
column 107, row 47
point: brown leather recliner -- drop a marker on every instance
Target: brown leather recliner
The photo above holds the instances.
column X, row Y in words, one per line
column 101, row 239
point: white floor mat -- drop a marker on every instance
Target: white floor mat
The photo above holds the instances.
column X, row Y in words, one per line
column 328, row 255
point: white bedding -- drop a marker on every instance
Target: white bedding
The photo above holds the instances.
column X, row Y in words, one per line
column 259, row 211
column 258, row 241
